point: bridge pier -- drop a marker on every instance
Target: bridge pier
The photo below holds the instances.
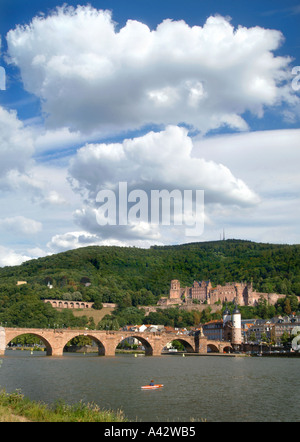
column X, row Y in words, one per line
column 111, row 342
column 55, row 352
column 155, row 347
column 200, row 343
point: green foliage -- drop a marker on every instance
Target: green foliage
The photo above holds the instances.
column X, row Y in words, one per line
column 284, row 306
column 285, row 338
column 58, row 412
column 21, row 307
column 108, row 323
column 128, row 315
column 174, row 317
column 130, row 276
column 26, row 340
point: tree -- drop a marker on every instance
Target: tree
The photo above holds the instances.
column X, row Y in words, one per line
column 287, row 306
column 252, row 337
column 178, row 345
column 197, row 317
column 285, row 338
column 125, row 301
column 294, row 303
column 108, row 323
column 206, row 315
column 80, row 341
column 85, row 280
column 264, row 337
column 97, row 305
column 77, row 296
column 262, row 308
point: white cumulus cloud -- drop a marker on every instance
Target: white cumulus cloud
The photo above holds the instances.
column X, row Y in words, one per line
column 16, row 146
column 9, row 257
column 21, row 225
column 156, row 160
column 90, row 75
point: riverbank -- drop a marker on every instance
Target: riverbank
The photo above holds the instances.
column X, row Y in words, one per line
column 14, row 407
column 225, row 355
column 6, row 415
column 281, row 355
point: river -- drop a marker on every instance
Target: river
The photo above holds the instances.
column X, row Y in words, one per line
column 197, row 388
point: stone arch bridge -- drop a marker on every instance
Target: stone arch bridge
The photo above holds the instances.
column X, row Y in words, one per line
column 107, row 341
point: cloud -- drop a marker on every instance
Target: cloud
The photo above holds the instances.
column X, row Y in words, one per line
column 90, row 75
column 18, row 170
column 251, row 182
column 20, row 173
column 9, row 257
column 52, row 145
column 156, row 160
column 21, row 225
column 267, row 160
column 94, row 78
column 77, row 239
column 54, row 198
column 71, row 240
column 16, row 147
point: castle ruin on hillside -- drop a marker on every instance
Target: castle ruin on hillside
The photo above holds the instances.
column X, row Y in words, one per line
column 203, row 292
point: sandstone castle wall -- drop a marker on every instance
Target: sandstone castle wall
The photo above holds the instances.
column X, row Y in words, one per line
column 204, row 292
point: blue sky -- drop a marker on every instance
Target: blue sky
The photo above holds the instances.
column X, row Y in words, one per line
column 202, row 89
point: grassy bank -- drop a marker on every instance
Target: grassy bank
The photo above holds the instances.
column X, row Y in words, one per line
column 14, row 407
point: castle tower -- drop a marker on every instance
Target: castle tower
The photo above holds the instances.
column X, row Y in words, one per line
column 239, row 294
column 236, row 339
column 175, row 291
column 250, row 299
column 226, row 316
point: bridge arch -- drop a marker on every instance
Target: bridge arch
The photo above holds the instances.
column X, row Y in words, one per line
column 213, row 348
column 101, row 347
column 17, row 334
column 142, row 339
column 187, row 345
column 227, row 349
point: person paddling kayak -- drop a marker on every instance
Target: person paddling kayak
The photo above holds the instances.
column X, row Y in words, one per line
column 151, row 386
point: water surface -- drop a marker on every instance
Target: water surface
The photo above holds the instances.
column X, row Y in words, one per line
column 215, row 389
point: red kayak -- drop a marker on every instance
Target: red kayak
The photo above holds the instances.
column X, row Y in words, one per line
column 151, row 387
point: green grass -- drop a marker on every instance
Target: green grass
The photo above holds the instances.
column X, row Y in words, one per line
column 15, row 407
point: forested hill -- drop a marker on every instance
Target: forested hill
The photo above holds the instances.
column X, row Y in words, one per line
column 141, row 276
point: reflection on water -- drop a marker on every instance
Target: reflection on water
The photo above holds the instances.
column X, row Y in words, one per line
column 216, row 389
